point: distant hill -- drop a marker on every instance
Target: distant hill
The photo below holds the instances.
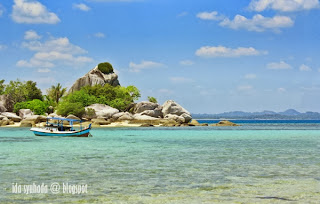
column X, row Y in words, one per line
column 289, row 114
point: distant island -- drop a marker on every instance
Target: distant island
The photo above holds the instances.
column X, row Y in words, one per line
column 290, row 114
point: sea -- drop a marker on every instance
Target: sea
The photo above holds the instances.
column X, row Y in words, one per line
column 261, row 161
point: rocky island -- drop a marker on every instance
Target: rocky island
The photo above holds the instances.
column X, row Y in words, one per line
column 144, row 113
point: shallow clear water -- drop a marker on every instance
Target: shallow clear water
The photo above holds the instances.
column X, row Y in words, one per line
column 254, row 163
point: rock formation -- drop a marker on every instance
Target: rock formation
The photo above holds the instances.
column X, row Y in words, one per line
column 6, row 104
column 225, row 123
column 94, row 77
column 103, row 111
column 173, row 108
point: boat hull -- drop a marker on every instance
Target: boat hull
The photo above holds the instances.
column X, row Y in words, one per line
column 48, row 133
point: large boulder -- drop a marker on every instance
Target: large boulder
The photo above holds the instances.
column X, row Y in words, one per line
column 12, row 116
column 2, row 108
column 100, row 121
column 23, row 113
column 6, row 102
column 94, row 77
column 225, row 123
column 122, row 116
column 27, row 123
column 145, row 105
column 173, row 108
column 103, row 111
column 177, row 118
column 138, row 116
column 73, row 117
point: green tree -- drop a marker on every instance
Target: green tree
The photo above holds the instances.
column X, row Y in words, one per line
column 66, row 108
column 2, row 87
column 23, row 91
column 56, row 92
column 31, row 91
column 152, row 99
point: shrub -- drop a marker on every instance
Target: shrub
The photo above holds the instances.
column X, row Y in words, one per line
column 152, row 99
column 105, row 67
column 90, row 113
column 36, row 106
column 66, row 108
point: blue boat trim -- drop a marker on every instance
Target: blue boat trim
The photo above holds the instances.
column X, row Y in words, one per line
column 58, row 129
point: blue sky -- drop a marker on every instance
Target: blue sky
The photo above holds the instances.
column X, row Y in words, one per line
column 209, row 56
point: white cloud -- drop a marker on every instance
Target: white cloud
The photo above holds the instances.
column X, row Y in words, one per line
column 32, row 12
column 99, row 35
column 281, row 90
column 180, row 80
column 143, row 65
column 279, row 65
column 213, row 16
column 54, row 44
column 52, row 52
column 45, row 70
column 244, row 88
column 3, row 47
column 31, row 35
column 250, row 76
column 283, row 5
column 221, row 51
column 186, row 62
column 81, row 7
column 305, row 68
column 182, row 14
column 1, row 10
column 258, row 23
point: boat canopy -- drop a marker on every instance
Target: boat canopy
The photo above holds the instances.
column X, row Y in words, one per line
column 65, row 119
column 60, row 124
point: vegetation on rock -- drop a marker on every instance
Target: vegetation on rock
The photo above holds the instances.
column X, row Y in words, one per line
column 105, row 67
column 117, row 97
column 152, row 99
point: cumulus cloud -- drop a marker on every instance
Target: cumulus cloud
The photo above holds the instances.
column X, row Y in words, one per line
column 31, row 35
column 279, row 65
column 213, row 16
column 133, row 67
column 32, row 12
column 258, row 23
column 221, row 51
column 52, row 52
column 283, row 5
column 81, row 7
column 186, row 62
column 99, row 35
column 305, row 68
column 180, row 80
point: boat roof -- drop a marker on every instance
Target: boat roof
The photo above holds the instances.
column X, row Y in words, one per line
column 66, row 119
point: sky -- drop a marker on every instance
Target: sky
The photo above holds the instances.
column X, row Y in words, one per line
column 209, row 56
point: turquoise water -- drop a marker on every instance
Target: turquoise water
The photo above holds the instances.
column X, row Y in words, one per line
column 248, row 164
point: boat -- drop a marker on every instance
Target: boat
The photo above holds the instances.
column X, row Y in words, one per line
column 58, row 128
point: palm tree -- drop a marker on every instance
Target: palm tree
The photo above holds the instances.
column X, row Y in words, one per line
column 56, row 92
